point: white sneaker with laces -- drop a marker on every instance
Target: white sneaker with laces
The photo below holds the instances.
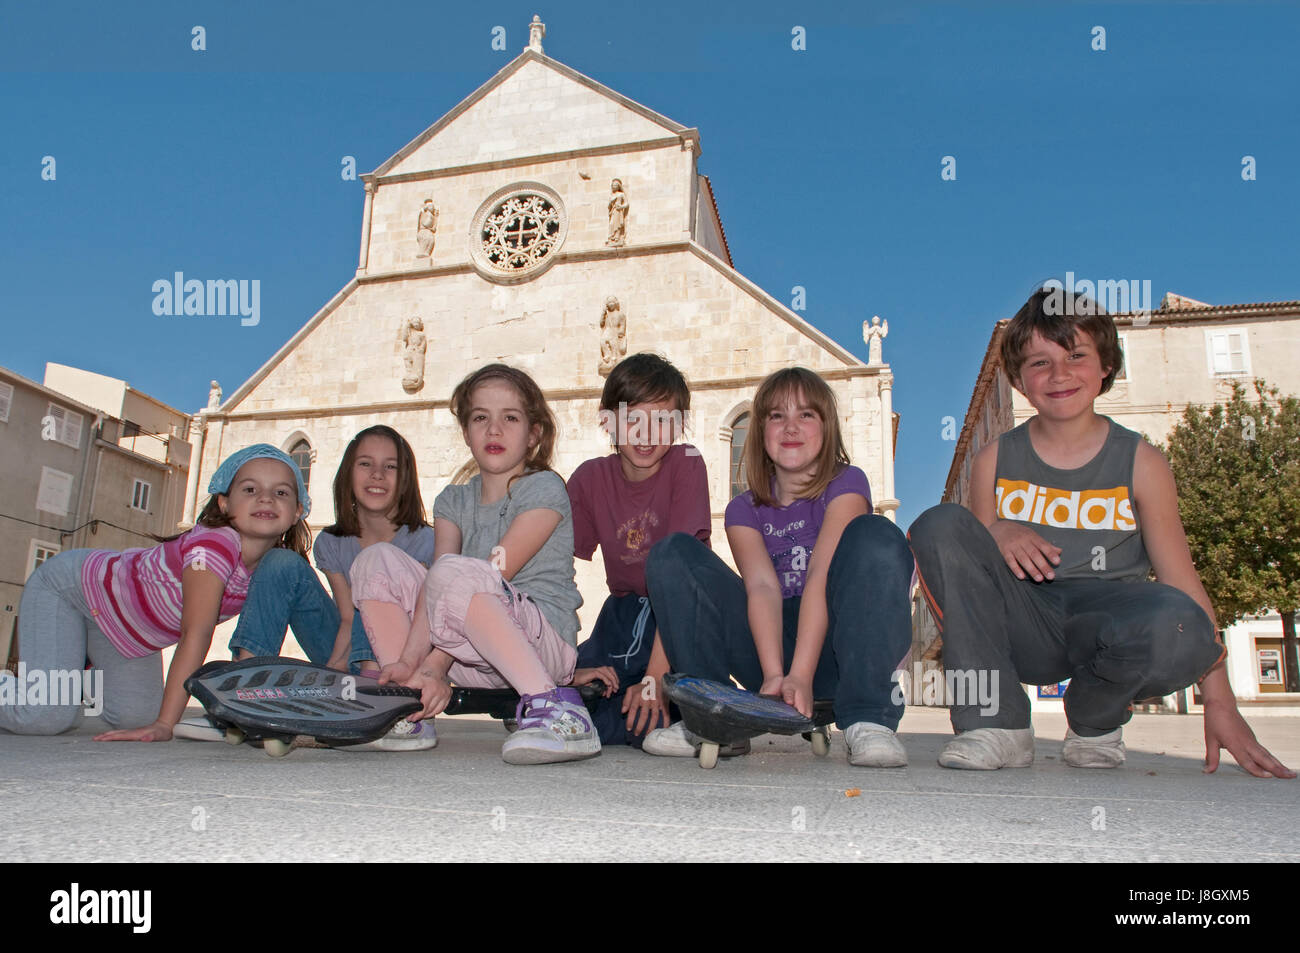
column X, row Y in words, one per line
column 403, row 736
column 874, row 746
column 987, row 749
column 1103, row 751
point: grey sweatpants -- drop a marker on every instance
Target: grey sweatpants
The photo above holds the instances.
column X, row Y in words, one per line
column 56, row 634
column 1115, row 641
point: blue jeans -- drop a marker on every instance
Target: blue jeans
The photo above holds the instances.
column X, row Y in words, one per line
column 286, row 592
column 703, row 618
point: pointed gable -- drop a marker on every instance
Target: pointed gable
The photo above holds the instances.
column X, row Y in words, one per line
column 534, row 106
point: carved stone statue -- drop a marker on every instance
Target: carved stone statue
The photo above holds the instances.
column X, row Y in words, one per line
column 425, row 229
column 617, row 214
column 613, row 335
column 536, row 30
column 413, row 344
column 214, row 395
column 873, row 334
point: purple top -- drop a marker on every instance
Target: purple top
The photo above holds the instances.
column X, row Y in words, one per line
column 789, row 532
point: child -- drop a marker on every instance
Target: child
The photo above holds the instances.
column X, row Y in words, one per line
column 499, row 607
column 376, row 500
column 1104, row 512
column 820, row 608
column 120, row 609
column 625, row 503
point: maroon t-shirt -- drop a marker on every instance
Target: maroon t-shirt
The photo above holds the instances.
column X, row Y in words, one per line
column 625, row 519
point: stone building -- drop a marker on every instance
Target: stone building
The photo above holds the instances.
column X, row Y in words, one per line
column 1185, row 352
column 551, row 223
column 86, row 461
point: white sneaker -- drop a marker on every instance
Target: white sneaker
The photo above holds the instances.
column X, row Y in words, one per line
column 676, row 742
column 874, row 746
column 987, row 749
column 553, row 726
column 403, row 736
column 199, row 728
column 671, row 742
column 1103, row 751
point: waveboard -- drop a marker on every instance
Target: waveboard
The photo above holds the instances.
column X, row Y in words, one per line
column 723, row 714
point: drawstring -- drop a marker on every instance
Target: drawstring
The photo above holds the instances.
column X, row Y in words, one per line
column 638, row 629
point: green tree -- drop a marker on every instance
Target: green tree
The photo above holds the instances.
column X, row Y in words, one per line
column 1238, row 471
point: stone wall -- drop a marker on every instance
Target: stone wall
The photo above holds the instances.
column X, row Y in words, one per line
column 676, row 302
column 658, row 184
column 535, row 111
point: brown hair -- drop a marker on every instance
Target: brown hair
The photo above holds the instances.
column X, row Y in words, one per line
column 1059, row 316
column 817, row 395
column 642, row 379
column 408, row 505
column 535, row 409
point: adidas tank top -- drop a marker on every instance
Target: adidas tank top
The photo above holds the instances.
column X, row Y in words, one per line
column 1088, row 512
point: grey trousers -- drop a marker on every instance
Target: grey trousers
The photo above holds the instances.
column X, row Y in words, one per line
column 1115, row 641
column 56, row 634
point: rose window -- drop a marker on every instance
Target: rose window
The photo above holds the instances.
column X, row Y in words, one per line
column 517, row 231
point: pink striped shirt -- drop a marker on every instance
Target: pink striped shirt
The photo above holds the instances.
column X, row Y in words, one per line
column 136, row 595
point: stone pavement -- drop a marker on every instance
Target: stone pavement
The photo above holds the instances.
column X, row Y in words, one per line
column 69, row 799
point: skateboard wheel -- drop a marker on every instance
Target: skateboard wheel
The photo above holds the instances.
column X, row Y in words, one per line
column 821, row 741
column 708, row 754
column 276, row 747
column 234, row 736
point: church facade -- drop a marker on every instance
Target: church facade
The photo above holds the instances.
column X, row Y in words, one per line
column 552, row 224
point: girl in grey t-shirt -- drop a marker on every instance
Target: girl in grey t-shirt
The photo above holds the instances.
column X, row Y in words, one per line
column 499, row 606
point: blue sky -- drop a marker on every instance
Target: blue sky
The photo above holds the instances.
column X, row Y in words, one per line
column 1120, row 164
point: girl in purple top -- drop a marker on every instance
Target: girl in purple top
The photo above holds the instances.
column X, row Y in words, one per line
column 820, row 608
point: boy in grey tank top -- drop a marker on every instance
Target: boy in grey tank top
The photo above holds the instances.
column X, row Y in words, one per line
column 1046, row 576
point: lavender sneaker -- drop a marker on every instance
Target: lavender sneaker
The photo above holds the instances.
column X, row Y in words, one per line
column 403, row 736
column 553, row 726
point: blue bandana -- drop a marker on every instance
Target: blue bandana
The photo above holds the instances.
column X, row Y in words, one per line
column 225, row 475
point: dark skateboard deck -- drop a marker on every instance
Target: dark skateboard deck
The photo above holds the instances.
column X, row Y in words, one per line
column 280, row 698
column 276, row 699
column 723, row 714
column 502, row 703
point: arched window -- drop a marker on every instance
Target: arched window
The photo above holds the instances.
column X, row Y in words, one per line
column 739, row 431
column 301, row 453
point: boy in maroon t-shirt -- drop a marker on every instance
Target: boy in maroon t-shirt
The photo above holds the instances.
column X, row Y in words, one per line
column 625, row 503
